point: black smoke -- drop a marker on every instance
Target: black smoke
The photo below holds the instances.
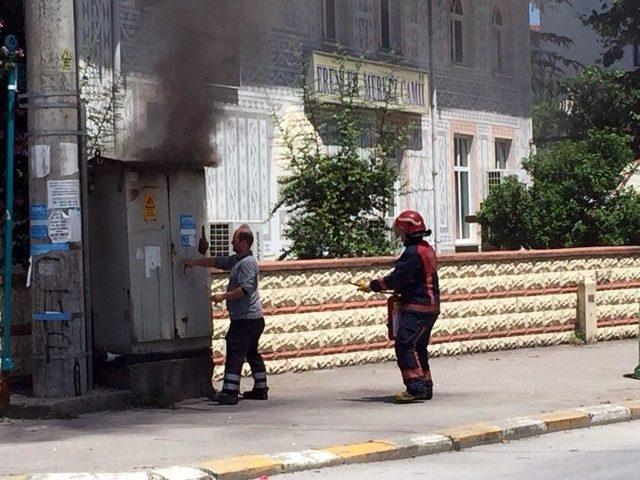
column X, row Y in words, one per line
column 199, row 44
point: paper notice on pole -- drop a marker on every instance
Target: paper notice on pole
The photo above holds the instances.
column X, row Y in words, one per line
column 41, row 160
column 58, row 226
column 75, row 225
column 63, row 193
column 151, row 260
column 68, row 159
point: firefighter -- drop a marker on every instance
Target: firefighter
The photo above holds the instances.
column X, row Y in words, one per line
column 414, row 282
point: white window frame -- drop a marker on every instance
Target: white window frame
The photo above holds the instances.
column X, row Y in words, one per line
column 458, row 170
column 456, row 17
column 508, row 143
column 396, row 163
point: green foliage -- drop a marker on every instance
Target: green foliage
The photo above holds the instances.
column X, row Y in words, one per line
column 340, row 181
column 550, row 120
column 503, row 215
column 597, row 98
column 604, row 98
column 574, row 199
column 547, row 65
column 618, row 23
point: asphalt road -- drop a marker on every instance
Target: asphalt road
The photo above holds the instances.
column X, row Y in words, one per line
column 599, row 453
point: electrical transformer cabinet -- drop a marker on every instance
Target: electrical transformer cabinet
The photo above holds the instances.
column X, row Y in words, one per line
column 146, row 308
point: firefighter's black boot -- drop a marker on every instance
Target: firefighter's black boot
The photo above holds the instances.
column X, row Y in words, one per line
column 257, row 394
column 406, row 397
column 227, row 398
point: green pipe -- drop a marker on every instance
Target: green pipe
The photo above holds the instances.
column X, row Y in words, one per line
column 12, row 86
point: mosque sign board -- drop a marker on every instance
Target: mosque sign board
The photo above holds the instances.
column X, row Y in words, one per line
column 374, row 84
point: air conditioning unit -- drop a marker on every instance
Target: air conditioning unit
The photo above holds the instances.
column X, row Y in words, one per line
column 496, row 177
column 220, row 235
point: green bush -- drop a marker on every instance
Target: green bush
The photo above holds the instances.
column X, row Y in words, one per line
column 573, row 201
column 340, row 182
column 504, row 212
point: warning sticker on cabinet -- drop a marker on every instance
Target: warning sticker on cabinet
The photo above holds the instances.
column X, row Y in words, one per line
column 149, row 207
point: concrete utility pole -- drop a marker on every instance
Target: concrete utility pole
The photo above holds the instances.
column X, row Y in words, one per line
column 57, row 290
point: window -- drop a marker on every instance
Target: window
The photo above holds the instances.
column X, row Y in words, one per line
column 385, row 24
column 456, row 31
column 503, row 148
column 497, row 32
column 636, row 55
column 363, row 17
column 394, row 207
column 290, row 14
column 414, row 28
column 219, row 238
column 329, row 19
column 462, row 151
column 413, row 11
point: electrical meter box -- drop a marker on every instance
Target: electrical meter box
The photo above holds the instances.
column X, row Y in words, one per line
column 147, row 309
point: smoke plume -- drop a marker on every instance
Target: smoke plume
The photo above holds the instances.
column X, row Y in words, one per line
column 200, row 46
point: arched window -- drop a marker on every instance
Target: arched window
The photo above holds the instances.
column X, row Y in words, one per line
column 456, row 7
column 496, row 17
column 497, row 35
column 456, row 30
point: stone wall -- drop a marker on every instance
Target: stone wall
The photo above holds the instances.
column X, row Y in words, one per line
column 491, row 301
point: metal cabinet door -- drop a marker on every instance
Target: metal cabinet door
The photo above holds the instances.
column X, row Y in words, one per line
column 192, row 297
column 150, row 244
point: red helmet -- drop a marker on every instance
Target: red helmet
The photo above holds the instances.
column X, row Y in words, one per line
column 410, row 222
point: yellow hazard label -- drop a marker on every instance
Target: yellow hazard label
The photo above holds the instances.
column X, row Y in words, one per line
column 66, row 59
column 149, row 206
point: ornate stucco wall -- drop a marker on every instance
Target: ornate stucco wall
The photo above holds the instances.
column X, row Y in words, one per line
column 492, row 301
column 470, row 98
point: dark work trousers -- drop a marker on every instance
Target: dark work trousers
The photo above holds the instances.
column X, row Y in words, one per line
column 412, row 339
column 242, row 342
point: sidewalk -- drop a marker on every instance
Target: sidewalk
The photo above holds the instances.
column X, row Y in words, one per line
column 323, row 408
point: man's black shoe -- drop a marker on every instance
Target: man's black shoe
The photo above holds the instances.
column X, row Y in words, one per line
column 225, row 398
column 429, row 394
column 257, row 394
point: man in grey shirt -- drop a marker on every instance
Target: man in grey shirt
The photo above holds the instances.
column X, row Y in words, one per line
column 245, row 312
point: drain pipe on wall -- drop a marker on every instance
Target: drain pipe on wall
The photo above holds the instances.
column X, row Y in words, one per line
column 434, row 106
column 11, row 43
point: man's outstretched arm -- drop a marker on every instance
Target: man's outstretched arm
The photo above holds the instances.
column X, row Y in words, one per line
column 221, row 263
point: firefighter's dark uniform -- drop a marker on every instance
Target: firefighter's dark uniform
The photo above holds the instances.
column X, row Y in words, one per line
column 415, row 280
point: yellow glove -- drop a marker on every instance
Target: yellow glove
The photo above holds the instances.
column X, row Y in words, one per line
column 363, row 286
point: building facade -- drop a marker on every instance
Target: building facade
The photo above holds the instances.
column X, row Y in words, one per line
column 469, row 61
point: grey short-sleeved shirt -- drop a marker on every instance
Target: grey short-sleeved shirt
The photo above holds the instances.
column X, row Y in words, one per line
column 243, row 273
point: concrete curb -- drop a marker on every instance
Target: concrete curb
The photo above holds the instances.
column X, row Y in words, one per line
column 247, row 467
